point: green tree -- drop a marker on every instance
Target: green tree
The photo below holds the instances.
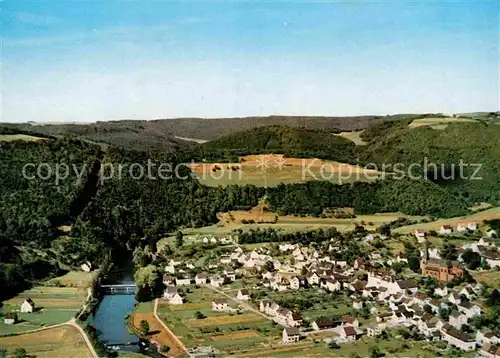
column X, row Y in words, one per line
column 144, row 327
column 3, row 353
column 179, row 239
column 20, row 353
column 414, row 263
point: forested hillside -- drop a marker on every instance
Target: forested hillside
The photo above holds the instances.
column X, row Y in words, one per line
column 31, row 209
column 292, row 142
column 408, row 196
column 475, row 144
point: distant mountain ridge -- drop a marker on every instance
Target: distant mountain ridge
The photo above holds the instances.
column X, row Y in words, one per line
column 163, row 134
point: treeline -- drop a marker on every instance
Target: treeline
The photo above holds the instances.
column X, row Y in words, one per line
column 412, row 197
column 290, row 141
column 271, row 235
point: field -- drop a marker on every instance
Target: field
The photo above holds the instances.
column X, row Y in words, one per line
column 157, row 332
column 489, row 214
column 13, row 137
column 77, row 279
column 225, row 331
column 353, row 137
column 436, row 122
column 491, row 278
column 65, row 340
column 272, row 169
column 53, row 305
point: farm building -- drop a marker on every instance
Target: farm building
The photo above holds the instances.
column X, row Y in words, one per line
column 28, row 306
column 10, row 318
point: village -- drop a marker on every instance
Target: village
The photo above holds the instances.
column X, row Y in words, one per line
column 321, row 292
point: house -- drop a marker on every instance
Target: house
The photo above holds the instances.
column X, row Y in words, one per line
column 491, row 233
column 445, row 230
column 356, row 304
column 374, row 330
column 312, row 278
column 349, row 321
column 291, row 335
column 10, row 318
column 324, row 323
column 168, row 280
column 467, row 292
column 173, row 296
column 330, row 284
column 458, row 338
column 461, row 227
column 348, row 333
column 182, row 281
column 216, row 281
column 457, row 319
column 294, row 282
column 28, row 306
column 441, row 290
column 243, row 294
column 472, row 226
column 287, row 318
column 490, row 351
column 468, row 309
column 225, row 259
column 407, row 285
column 219, row 305
column 420, row 235
column 201, row 278
column 454, row 298
column 87, row 266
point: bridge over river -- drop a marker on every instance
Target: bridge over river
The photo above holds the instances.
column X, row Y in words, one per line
column 120, row 288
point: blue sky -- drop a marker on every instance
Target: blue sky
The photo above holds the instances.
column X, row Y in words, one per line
column 102, row 60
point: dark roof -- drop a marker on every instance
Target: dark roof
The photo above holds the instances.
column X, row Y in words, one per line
column 244, row 291
column 349, row 331
column 30, row 301
column 325, row 322
column 219, row 301
column 405, row 284
column 292, row 331
column 452, row 331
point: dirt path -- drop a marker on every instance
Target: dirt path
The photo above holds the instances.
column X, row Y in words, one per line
column 72, row 322
column 239, row 302
column 169, row 332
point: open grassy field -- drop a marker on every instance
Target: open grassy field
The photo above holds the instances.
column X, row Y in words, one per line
column 272, row 169
column 77, row 279
column 63, row 341
column 491, row 278
column 437, row 123
column 227, row 332
column 13, row 137
column 53, row 305
column 489, row 214
column 353, row 137
column 361, row 348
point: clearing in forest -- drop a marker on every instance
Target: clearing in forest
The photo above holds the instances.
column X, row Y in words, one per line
column 270, row 170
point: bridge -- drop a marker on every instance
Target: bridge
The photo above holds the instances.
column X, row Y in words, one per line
column 131, row 285
column 120, row 289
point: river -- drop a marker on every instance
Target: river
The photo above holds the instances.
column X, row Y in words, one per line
column 109, row 318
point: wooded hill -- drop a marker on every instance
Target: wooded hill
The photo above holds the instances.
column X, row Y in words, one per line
column 290, row 141
column 162, row 134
